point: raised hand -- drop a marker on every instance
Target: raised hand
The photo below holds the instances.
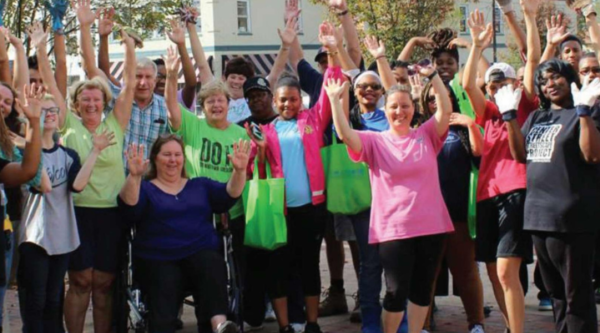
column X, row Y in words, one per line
column 588, row 94
column 480, row 33
column 339, row 5
column 58, row 10
column 557, row 29
column 84, row 12
column 291, row 10
column 530, row 6
column 188, row 14
column 241, row 155
column 172, row 61
column 37, row 35
column 127, row 39
column 135, row 160
column 177, row 33
column 377, row 49
column 461, row 120
column 32, row 107
column 327, row 36
column 103, row 140
column 105, row 21
column 12, row 39
column 416, row 86
column 335, row 88
column 289, row 33
column 508, row 99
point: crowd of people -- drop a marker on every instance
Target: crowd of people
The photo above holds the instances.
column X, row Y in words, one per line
column 516, row 153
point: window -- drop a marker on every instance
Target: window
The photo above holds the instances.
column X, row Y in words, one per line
column 243, row 14
column 463, row 19
column 498, row 20
column 196, row 4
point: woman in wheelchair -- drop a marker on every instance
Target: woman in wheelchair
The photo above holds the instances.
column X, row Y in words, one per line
column 176, row 245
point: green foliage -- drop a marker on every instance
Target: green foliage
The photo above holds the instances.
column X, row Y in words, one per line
column 144, row 16
column 397, row 21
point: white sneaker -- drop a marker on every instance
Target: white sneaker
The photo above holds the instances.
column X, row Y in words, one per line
column 477, row 329
column 250, row 328
column 298, row 327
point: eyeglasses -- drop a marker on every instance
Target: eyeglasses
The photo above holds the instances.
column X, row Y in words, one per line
column 365, row 86
column 430, row 99
column 53, row 110
column 588, row 70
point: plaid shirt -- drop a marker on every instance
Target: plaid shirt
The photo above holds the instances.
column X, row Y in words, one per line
column 145, row 124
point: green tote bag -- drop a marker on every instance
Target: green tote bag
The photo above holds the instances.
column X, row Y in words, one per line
column 264, row 206
column 347, row 183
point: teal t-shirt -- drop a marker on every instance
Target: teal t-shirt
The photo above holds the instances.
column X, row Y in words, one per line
column 297, row 185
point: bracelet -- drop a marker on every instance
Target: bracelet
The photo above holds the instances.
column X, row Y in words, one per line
column 583, row 110
column 333, row 53
column 284, row 48
column 432, row 75
column 509, row 115
column 379, row 57
column 342, row 13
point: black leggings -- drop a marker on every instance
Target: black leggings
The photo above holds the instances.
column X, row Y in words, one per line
column 305, row 229
column 566, row 262
column 409, row 266
column 164, row 283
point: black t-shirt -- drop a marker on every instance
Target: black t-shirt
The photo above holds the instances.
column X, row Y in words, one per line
column 454, row 168
column 563, row 191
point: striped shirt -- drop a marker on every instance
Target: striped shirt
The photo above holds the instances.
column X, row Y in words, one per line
column 146, row 124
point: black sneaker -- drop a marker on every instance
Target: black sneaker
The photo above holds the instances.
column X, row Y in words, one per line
column 287, row 329
column 227, row 327
column 312, row 328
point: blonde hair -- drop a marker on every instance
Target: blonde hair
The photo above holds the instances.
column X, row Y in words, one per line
column 95, row 83
column 215, row 87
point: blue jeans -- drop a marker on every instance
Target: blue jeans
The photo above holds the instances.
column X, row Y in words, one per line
column 40, row 278
column 369, row 281
column 8, row 255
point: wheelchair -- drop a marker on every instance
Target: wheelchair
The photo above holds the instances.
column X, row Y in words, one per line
column 131, row 311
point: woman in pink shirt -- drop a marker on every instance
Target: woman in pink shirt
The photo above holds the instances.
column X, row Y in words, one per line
column 409, row 219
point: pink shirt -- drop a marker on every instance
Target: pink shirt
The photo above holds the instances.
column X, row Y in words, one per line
column 407, row 199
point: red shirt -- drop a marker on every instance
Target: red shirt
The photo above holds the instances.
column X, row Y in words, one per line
column 499, row 173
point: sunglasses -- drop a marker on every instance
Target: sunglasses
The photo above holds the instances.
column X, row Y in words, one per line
column 365, row 86
column 430, row 99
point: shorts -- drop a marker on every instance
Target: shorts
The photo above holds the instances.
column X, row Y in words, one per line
column 344, row 230
column 500, row 229
column 100, row 235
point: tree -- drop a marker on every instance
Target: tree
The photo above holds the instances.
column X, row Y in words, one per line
column 397, row 21
column 143, row 16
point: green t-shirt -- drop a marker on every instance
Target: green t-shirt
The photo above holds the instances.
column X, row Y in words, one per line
column 108, row 176
column 206, row 150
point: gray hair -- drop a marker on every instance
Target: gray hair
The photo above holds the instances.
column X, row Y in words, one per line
column 147, row 63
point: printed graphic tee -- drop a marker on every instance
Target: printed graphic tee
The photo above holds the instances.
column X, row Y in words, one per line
column 206, row 150
column 563, row 190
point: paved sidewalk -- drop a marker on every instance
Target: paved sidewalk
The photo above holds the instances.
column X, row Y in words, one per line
column 449, row 319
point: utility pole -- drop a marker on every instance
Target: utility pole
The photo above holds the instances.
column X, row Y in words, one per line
column 494, row 28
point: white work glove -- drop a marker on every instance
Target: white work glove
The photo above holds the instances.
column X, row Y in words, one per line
column 508, row 99
column 586, row 97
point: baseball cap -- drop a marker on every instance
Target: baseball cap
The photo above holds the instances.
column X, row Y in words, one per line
column 499, row 72
column 320, row 52
column 257, row 82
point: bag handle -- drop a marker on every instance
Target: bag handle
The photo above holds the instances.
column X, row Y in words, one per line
column 256, row 172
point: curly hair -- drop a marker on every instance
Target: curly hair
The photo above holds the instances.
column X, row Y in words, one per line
column 442, row 38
